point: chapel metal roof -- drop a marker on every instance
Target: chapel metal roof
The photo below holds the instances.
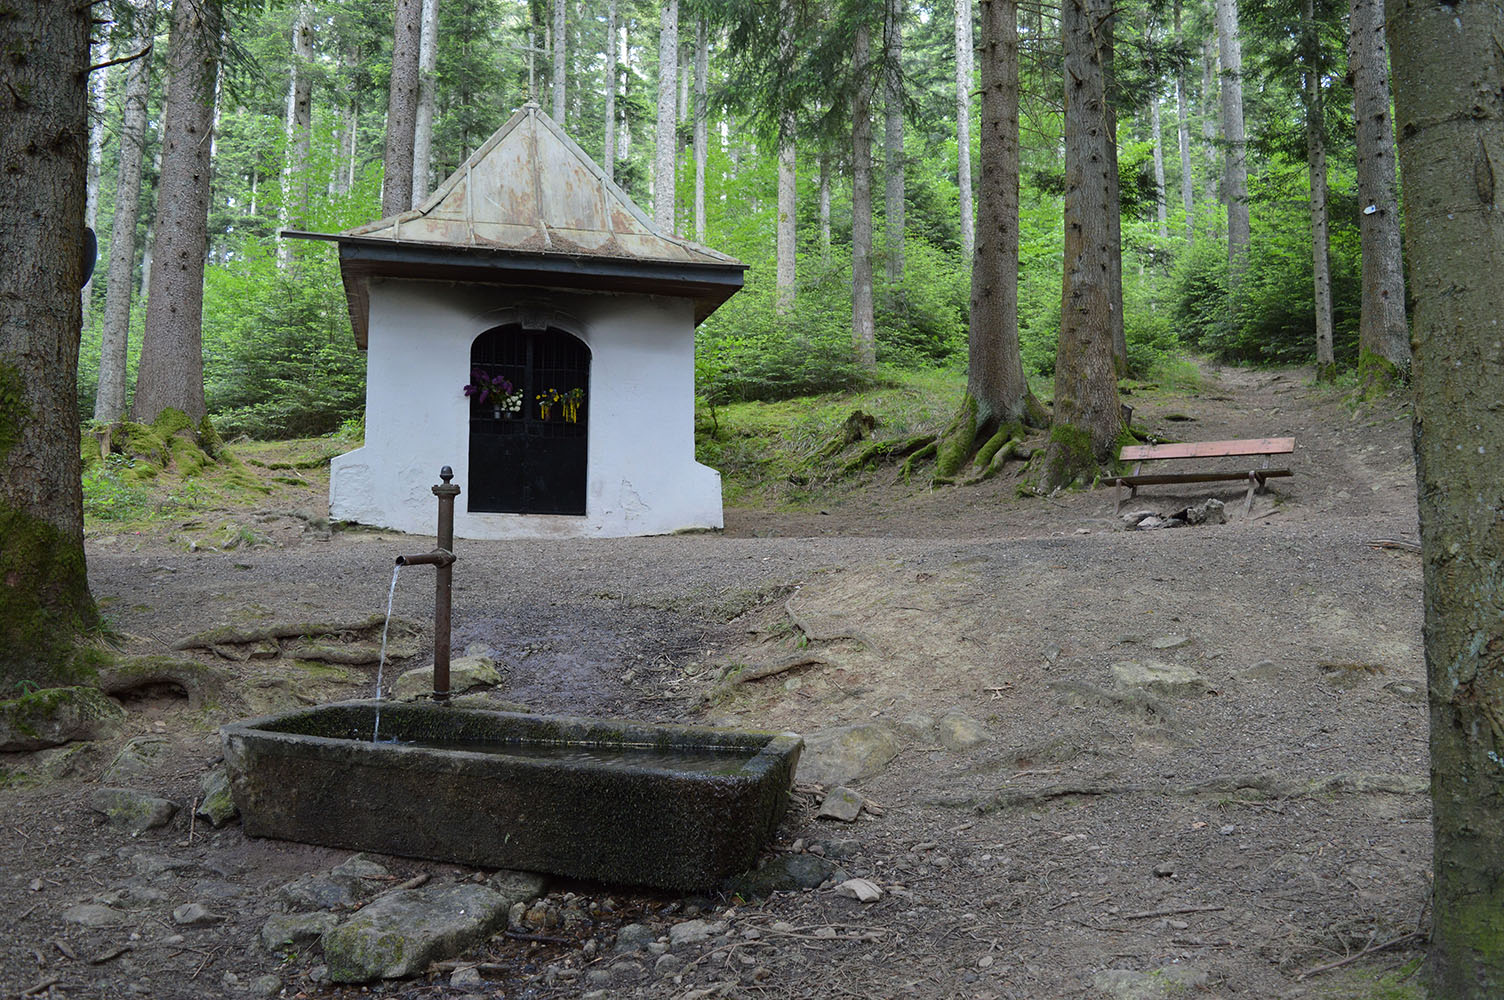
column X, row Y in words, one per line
column 529, row 207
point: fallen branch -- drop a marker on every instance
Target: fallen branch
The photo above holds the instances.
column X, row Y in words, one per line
column 1367, row 950
column 773, row 669
column 1395, row 543
column 1170, row 912
column 287, row 630
column 42, row 987
column 1009, row 798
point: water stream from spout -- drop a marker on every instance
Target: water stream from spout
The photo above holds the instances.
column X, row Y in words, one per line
column 381, row 663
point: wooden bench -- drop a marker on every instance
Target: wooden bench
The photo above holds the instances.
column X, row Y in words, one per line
column 1139, row 454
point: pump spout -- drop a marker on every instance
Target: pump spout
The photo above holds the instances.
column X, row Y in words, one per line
column 438, row 557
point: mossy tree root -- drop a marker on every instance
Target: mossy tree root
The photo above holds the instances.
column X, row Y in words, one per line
column 888, row 449
column 907, row 469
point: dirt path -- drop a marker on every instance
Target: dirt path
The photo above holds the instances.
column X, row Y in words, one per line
column 1265, row 817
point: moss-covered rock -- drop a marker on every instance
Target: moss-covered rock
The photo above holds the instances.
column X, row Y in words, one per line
column 215, row 803
column 400, row 933
column 131, row 809
column 464, row 673
column 53, row 716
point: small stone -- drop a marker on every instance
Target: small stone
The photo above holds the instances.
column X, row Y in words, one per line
column 859, row 889
column 265, row 986
column 194, row 915
column 985, row 962
column 1263, row 670
column 287, row 930
column 667, row 965
column 917, row 725
column 1160, row 677
column 1133, row 517
column 132, row 809
column 1227, row 830
column 215, row 803
column 93, row 915
column 1164, row 870
column 842, row 804
column 959, row 732
column 693, row 932
column 1169, row 642
column 516, row 915
column 634, row 937
column 1208, row 511
column 466, row 978
column 785, row 873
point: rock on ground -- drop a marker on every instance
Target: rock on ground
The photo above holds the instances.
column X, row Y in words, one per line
column 846, row 754
column 132, row 809
column 54, row 716
column 1162, row 678
column 215, row 803
column 1156, row 984
column 959, row 732
column 465, row 673
column 400, row 933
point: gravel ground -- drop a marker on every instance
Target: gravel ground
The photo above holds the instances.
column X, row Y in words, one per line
column 1266, row 821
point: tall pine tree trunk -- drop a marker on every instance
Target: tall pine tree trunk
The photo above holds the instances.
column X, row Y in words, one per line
column 428, row 63
column 1321, row 271
column 97, row 84
column 171, row 373
column 995, row 374
column 1183, row 112
column 109, row 400
column 402, row 109
column 824, row 197
column 893, row 177
column 1449, row 97
column 298, row 128
column 1235, row 166
column 964, row 53
column 1087, row 419
column 44, row 591
column 702, row 121
column 1161, row 209
column 1105, row 29
column 787, row 192
column 1383, row 336
column 668, row 85
column 863, row 325
column 560, row 49
column 608, row 157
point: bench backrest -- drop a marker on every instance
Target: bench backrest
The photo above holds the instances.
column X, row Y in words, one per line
column 1208, row 449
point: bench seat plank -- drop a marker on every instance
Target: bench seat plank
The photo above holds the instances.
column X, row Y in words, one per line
column 1208, row 449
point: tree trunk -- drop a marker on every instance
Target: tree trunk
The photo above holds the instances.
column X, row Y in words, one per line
column 863, row 327
column 824, row 206
column 995, row 372
column 1449, row 97
column 44, row 590
column 1087, row 420
column 97, row 85
column 893, row 179
column 608, row 159
column 298, row 127
column 1321, row 271
column 1235, row 168
column 1182, row 110
column 1209, row 124
column 1161, row 209
column 702, row 122
column 428, row 64
column 964, row 53
column 171, row 373
column 560, row 49
column 1105, row 29
column 1383, row 336
column 109, row 399
column 668, row 66
column 402, row 110
column 787, row 191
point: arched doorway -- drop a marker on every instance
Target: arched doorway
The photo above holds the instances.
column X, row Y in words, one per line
column 529, row 421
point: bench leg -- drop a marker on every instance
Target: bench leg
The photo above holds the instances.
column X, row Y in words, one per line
column 1253, row 484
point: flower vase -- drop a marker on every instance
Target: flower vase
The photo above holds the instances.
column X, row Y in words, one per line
column 543, row 411
column 495, row 413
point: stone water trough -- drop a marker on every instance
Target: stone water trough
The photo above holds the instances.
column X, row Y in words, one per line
column 587, row 798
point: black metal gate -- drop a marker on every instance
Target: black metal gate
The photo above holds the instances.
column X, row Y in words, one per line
column 529, row 418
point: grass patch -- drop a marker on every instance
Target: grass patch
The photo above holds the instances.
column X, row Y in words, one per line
column 766, row 452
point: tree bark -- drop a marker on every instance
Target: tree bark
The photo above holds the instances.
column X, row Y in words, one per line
column 608, row 158
column 1321, row 271
column 560, row 77
column 1087, row 419
column 863, row 326
column 109, row 398
column 1383, row 335
column 824, row 206
column 1235, row 164
column 97, row 84
column 402, row 110
column 668, row 67
column 964, row 73
column 299, row 129
column 702, row 123
column 1161, row 209
column 893, row 176
column 1182, row 110
column 1449, row 97
column 44, row 591
column 1210, row 122
column 171, row 372
column 428, row 64
column 787, row 190
column 995, row 372
column 1105, row 29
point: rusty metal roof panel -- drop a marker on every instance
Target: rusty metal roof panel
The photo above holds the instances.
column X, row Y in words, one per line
column 530, row 187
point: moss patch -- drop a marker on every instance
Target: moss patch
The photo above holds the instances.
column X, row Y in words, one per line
column 45, row 605
column 954, row 450
column 1068, row 456
column 53, row 716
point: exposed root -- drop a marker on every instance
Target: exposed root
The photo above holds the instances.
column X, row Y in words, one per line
column 879, row 450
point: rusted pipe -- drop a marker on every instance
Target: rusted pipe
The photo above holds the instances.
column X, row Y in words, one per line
column 442, row 558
